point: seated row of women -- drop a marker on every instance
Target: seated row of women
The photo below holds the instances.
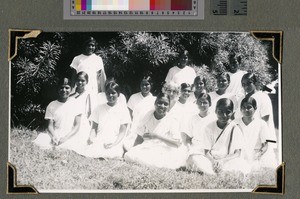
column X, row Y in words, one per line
column 195, row 131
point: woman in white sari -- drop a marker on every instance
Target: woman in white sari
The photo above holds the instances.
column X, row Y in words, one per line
column 222, row 143
column 158, row 140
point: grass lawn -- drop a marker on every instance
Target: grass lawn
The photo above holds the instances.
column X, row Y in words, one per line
column 62, row 169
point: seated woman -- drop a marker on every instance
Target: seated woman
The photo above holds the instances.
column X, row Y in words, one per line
column 63, row 118
column 158, row 140
column 193, row 131
column 83, row 102
column 255, row 131
column 110, row 121
column 222, row 143
column 141, row 102
column 102, row 99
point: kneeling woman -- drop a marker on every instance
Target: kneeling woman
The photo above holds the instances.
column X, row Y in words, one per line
column 110, row 121
column 159, row 137
column 222, row 143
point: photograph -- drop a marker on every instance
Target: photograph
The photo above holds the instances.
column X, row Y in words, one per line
column 141, row 111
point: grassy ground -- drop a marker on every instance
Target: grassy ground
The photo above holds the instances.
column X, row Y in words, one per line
column 63, row 169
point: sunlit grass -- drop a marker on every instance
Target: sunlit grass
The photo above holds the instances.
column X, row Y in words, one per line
column 64, row 169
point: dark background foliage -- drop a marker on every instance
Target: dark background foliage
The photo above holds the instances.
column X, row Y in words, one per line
column 127, row 56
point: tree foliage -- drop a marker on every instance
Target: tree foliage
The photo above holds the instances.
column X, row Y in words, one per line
column 127, row 56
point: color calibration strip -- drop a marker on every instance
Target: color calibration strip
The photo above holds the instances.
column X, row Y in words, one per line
column 136, row 8
column 132, row 5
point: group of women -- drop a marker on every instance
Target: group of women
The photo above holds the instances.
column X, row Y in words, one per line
column 182, row 127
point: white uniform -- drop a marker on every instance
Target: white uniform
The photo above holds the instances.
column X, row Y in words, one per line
column 90, row 64
column 179, row 76
column 63, row 115
column 109, row 120
column 155, row 152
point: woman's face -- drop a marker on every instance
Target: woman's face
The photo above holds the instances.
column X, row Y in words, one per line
column 186, row 92
column 183, row 61
column 172, row 92
column 81, row 82
column 248, row 85
column 203, row 104
column 247, row 109
column 64, row 91
column 90, row 48
column 145, row 86
column 199, row 85
column 224, row 113
column 111, row 96
column 162, row 106
column 222, row 82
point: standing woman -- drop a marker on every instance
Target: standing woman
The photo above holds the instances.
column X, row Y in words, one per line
column 158, row 140
column 91, row 64
column 182, row 73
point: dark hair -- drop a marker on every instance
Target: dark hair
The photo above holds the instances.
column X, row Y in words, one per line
column 63, row 81
column 251, row 76
column 185, row 85
column 147, row 76
column 162, row 95
column 206, row 96
column 224, row 74
column 200, row 78
column 88, row 40
column 225, row 102
column 112, row 86
column 84, row 74
column 250, row 100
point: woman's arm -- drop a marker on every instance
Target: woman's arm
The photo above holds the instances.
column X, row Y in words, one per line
column 186, row 140
column 169, row 140
column 120, row 137
column 234, row 155
column 261, row 151
column 101, row 77
column 52, row 132
column 93, row 132
column 74, row 130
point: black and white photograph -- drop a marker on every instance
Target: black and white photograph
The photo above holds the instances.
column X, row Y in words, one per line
column 135, row 111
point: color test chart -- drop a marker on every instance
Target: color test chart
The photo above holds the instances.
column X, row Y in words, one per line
column 130, row 9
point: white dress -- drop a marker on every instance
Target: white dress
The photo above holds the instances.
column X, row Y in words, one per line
column 195, row 130
column 140, row 106
column 109, row 120
column 255, row 134
column 155, row 152
column 215, row 97
column 79, row 140
column 63, row 115
column 235, row 85
column 179, row 76
column 220, row 143
column 182, row 113
column 90, row 64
